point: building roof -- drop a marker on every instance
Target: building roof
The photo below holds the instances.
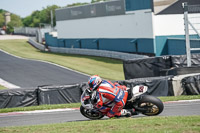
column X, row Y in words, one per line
column 171, row 6
column 160, row 5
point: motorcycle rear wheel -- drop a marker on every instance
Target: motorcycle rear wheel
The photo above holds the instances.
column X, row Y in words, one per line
column 151, row 105
column 91, row 115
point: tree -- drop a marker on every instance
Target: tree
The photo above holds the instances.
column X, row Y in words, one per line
column 94, row 1
column 77, row 4
column 27, row 21
column 43, row 16
column 48, row 14
column 15, row 22
column 1, row 20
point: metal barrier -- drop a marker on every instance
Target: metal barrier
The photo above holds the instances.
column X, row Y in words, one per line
column 101, row 53
column 29, row 31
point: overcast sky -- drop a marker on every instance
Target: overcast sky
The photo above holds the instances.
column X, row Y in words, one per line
column 24, row 8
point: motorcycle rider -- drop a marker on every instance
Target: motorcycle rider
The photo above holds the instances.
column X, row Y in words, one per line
column 107, row 93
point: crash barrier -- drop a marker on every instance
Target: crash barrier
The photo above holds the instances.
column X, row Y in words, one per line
column 41, row 95
column 18, row 97
column 160, row 66
column 37, row 45
column 67, row 93
column 30, row 31
column 191, row 85
column 91, row 52
column 179, row 84
column 157, row 86
column 100, row 53
column 59, row 94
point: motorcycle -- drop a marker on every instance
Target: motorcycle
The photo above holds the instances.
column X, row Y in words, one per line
column 142, row 104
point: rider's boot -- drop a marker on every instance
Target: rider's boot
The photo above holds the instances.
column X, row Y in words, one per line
column 133, row 112
column 125, row 113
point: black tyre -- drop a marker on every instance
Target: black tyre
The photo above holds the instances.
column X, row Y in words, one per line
column 90, row 115
column 151, row 105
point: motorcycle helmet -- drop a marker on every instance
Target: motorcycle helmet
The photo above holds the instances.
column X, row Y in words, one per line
column 94, row 81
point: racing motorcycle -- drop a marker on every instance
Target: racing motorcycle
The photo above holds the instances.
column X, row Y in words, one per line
column 137, row 100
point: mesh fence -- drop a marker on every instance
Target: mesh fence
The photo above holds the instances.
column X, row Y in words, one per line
column 194, row 18
column 192, row 29
column 193, row 8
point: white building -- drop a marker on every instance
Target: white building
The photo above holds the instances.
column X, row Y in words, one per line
column 133, row 26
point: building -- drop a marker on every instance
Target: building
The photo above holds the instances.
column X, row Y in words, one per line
column 131, row 26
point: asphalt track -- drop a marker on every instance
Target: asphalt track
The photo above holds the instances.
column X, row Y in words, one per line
column 182, row 108
column 31, row 73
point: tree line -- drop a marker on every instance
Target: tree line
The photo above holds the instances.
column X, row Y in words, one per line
column 36, row 18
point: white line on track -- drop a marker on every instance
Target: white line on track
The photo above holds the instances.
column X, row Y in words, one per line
column 7, row 84
column 180, row 102
column 37, row 112
column 45, row 62
column 183, row 101
column 10, row 85
column 48, row 111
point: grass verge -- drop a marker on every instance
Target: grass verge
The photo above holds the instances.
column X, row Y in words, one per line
column 2, row 87
column 41, row 107
column 176, row 98
column 183, row 124
column 107, row 68
column 100, row 66
column 77, row 105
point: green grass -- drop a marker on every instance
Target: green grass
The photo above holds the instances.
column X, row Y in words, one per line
column 2, row 87
column 107, row 68
column 183, row 124
column 176, row 98
column 41, row 107
column 77, row 105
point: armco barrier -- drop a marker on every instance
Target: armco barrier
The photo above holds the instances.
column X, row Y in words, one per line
column 59, row 94
column 41, row 95
column 91, row 52
column 149, row 67
column 181, row 60
column 191, row 85
column 70, row 93
column 101, row 53
column 158, row 86
column 35, row 44
column 160, row 66
column 18, row 97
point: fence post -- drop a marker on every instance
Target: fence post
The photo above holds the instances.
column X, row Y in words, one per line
column 187, row 37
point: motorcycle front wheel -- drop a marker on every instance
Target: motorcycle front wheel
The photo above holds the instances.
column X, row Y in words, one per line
column 90, row 114
column 151, row 105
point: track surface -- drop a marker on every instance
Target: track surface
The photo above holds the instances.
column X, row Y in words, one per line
column 31, row 118
column 30, row 73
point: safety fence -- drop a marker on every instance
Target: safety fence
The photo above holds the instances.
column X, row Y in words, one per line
column 184, row 81
column 161, row 66
column 29, row 31
column 37, row 45
column 164, row 76
column 63, row 94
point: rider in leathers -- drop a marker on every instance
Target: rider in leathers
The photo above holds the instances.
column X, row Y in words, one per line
column 111, row 94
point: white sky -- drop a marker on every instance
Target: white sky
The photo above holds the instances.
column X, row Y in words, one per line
column 24, row 8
